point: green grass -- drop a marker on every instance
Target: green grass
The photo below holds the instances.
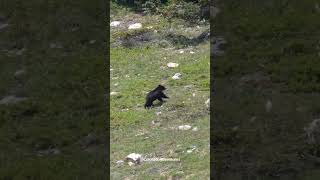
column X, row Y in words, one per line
column 280, row 41
column 65, row 88
column 136, row 71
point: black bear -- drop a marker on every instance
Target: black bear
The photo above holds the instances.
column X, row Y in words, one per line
column 155, row 94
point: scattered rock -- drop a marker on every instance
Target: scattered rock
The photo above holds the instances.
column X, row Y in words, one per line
column 207, row 103
column 8, row 100
column 19, row 73
column 135, row 26
column 184, row 127
column 92, row 41
column 131, row 163
column 268, row 106
column 115, row 23
column 313, row 132
column 176, row 76
column 4, row 25
column 133, row 158
column 235, row 128
column 172, row 65
column 114, row 93
column 253, row 119
column 191, row 149
column 120, row 163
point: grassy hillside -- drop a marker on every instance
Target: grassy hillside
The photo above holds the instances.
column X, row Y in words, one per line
column 52, row 56
column 138, row 64
column 271, row 59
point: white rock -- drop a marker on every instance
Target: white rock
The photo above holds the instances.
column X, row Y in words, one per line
column 135, row 26
column 120, row 162
column 192, row 149
column 158, row 113
column 149, row 27
column 11, row 100
column 181, row 52
column 207, row 103
column 116, row 84
column 176, row 76
column 131, row 163
column 115, row 23
column 172, row 65
column 193, row 94
column 184, row 127
column 2, row 26
column 134, row 158
column 268, row 106
column 195, row 129
column 19, row 73
column 191, row 52
column 114, row 93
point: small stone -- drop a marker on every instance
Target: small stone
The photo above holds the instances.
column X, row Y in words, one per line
column 253, row 119
column 158, row 113
column 19, row 73
column 172, row 65
column 181, row 52
column 8, row 100
column 195, row 129
column 120, row 163
column 114, row 93
column 193, row 94
column 207, row 103
column 115, row 23
column 268, row 106
column 184, row 127
column 176, row 76
column 131, row 163
column 134, row 158
column 135, row 26
column 2, row 26
column 191, row 52
column 235, row 128
column 92, row 41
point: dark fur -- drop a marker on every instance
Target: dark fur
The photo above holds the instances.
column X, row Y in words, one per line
column 154, row 95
